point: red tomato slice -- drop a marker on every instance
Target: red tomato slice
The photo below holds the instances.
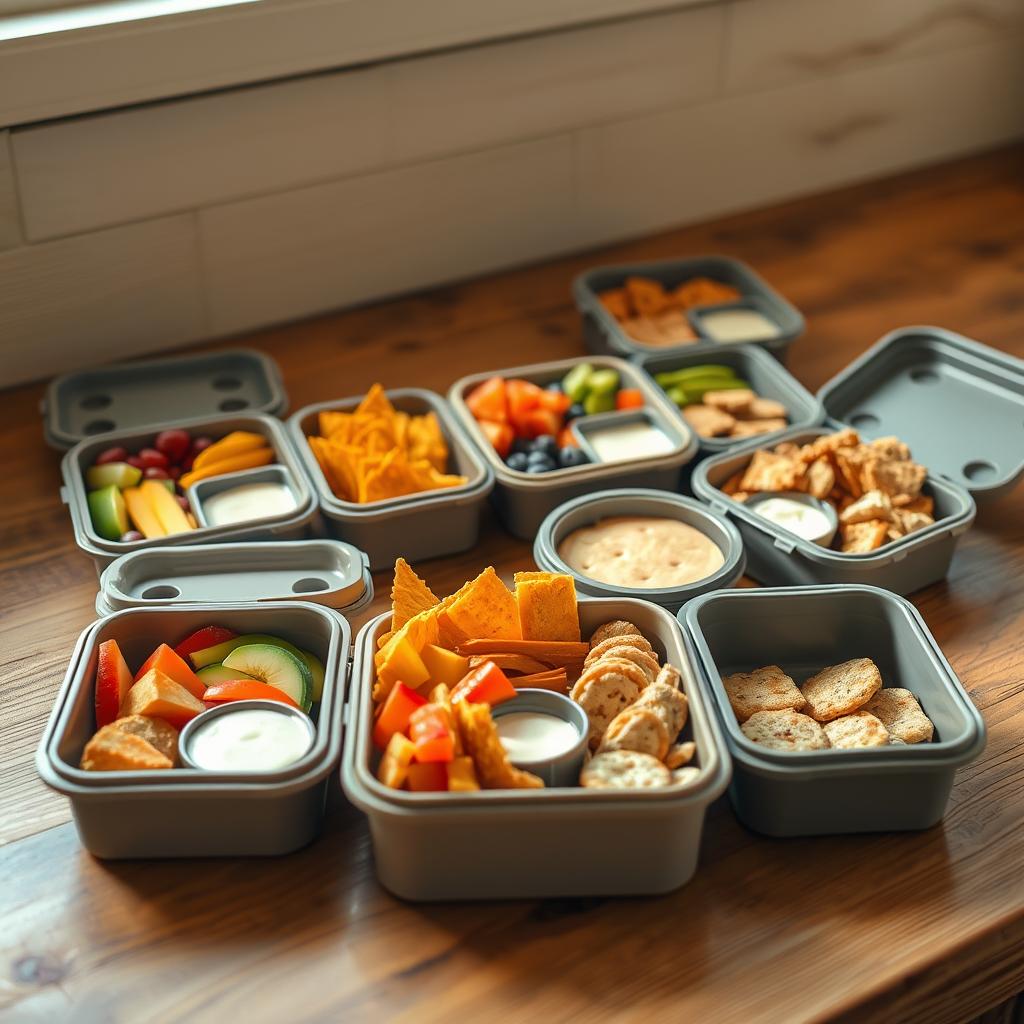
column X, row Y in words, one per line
column 501, row 435
column 488, row 401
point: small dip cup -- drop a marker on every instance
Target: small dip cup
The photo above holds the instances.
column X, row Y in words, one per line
column 584, row 427
column 201, row 491
column 188, row 734
column 825, row 507
column 563, row 770
column 748, row 304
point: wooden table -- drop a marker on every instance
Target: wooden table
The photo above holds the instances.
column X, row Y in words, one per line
column 925, row 927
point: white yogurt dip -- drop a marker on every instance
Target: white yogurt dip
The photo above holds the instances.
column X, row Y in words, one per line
column 531, row 736
column 803, row 520
column 628, row 441
column 249, row 739
column 248, row 501
column 733, row 325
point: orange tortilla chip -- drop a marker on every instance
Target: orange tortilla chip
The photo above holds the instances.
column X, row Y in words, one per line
column 420, row 630
column 485, row 609
column 335, row 425
column 376, row 403
column 547, row 606
column 409, row 595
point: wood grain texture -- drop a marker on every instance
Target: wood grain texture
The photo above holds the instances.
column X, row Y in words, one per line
column 924, row 927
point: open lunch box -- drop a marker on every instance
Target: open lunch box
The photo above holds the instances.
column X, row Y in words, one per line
column 428, row 524
column 604, row 334
column 522, row 499
column 905, row 386
column 184, row 812
column 538, row 843
column 834, row 791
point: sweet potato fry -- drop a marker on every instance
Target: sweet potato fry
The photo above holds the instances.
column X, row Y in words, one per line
column 554, row 679
column 554, row 652
column 511, row 662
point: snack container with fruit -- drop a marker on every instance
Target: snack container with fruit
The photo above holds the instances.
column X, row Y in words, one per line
column 687, row 375
column 805, row 792
column 186, row 812
column 582, row 512
column 326, row 572
column 512, row 414
column 427, row 524
column 900, row 388
column 741, row 287
column 105, row 476
column 534, row 843
column 124, row 397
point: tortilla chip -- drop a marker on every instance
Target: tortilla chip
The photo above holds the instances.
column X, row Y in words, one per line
column 420, row 630
column 485, row 609
column 409, row 595
column 547, row 606
column 375, row 403
column 335, row 425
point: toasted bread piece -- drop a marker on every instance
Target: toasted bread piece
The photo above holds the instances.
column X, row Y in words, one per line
column 707, row 421
column 753, row 427
column 155, row 731
column 900, row 712
column 863, row 538
column 766, row 409
column 736, row 402
column 784, row 730
column 861, row 729
column 841, row 689
column 872, row 505
column 764, row 689
column 112, row 750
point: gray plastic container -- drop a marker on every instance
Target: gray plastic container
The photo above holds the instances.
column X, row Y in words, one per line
column 124, row 396
column 417, row 526
column 834, row 792
column 296, row 524
column 603, row 334
column 777, row 557
column 185, row 812
column 590, row 508
column 327, row 572
column 957, row 403
column 764, row 374
column 530, row 843
column 522, row 500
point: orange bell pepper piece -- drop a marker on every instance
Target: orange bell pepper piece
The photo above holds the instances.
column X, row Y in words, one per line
column 431, row 734
column 484, row 684
column 428, row 777
column 395, row 712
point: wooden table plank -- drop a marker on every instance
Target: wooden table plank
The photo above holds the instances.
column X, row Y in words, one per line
column 926, row 927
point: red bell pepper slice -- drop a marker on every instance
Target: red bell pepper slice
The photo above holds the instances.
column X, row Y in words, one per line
column 246, row 689
column 208, row 636
column 484, row 684
column 395, row 713
column 431, row 734
column 489, row 401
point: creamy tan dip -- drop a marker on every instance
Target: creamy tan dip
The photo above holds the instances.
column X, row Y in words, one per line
column 641, row 552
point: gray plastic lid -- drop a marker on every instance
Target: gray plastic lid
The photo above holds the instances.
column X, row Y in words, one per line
column 160, row 393
column 958, row 404
column 326, row 572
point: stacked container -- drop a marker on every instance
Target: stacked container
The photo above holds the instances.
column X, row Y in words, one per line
column 538, row 843
column 522, row 500
column 416, row 526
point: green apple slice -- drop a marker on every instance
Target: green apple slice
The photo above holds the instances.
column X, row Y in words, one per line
column 276, row 667
column 120, row 474
column 108, row 513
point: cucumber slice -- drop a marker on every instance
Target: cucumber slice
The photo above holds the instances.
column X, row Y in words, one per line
column 214, row 674
column 216, row 654
column 576, row 383
column 689, row 374
column 276, row 667
column 603, row 382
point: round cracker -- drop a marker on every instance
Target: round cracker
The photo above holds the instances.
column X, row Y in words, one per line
column 683, row 776
column 602, row 698
column 670, row 676
column 861, row 729
column 647, row 663
column 680, row 754
column 626, row 668
column 785, row 730
column 618, row 627
column 624, row 769
column 669, row 704
column 841, row 689
column 641, row 643
column 901, row 714
column 638, row 729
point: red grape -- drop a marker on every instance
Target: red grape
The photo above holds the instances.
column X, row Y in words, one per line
column 151, row 457
column 183, row 502
column 112, row 455
column 173, row 443
column 155, row 473
column 199, row 443
column 174, row 472
column 131, row 535
column 134, row 460
column 186, row 463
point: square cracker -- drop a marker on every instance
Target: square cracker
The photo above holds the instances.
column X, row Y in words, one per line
column 841, row 689
column 485, row 609
column 547, row 606
column 900, row 712
column 784, row 730
column 770, row 472
column 863, row 538
column 764, row 689
column 861, row 729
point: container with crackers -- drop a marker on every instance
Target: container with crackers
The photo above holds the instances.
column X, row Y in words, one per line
column 840, row 711
column 522, row 498
column 732, row 395
column 429, row 761
column 393, row 473
column 705, row 303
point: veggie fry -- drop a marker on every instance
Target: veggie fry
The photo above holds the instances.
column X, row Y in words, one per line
column 554, row 679
column 556, row 652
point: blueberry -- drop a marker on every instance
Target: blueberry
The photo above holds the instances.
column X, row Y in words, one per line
column 540, row 467
column 547, row 445
column 555, row 386
column 575, row 411
column 521, row 444
column 517, row 461
column 572, row 457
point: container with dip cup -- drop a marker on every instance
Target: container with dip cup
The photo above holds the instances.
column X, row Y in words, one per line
column 802, row 514
column 242, row 735
column 534, row 843
column 545, row 733
column 834, row 791
column 522, row 500
column 602, row 333
column 615, row 437
column 583, row 512
column 187, row 812
column 246, row 496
